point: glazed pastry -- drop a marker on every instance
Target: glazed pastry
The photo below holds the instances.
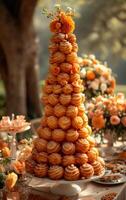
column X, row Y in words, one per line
column 63, row 78
column 45, row 133
column 101, row 160
column 40, row 144
column 53, row 147
column 71, row 38
column 72, row 111
column 95, row 150
column 82, row 146
column 41, row 170
column 44, row 99
column 77, row 88
column 56, row 38
column 71, row 173
column 72, row 58
column 89, row 129
column 66, row 67
column 76, row 99
column 74, row 77
column 92, row 156
column 42, row 157
column 59, row 110
column 64, row 122
column 57, row 57
column 48, row 88
column 54, row 69
column 68, row 160
column 85, row 119
column 68, row 89
column 65, row 99
column 91, row 141
column 30, row 165
column 81, row 158
column 81, row 110
column 51, row 79
column 57, row 89
column 55, row 172
column 55, row 159
column 86, row 170
column 58, row 135
column 98, row 168
column 52, row 122
column 34, row 154
column 77, row 122
column 75, row 68
column 53, row 99
column 72, row 135
column 75, row 47
column 43, row 121
column 53, row 47
column 48, row 110
column 83, row 132
column 68, row 148
column 65, row 47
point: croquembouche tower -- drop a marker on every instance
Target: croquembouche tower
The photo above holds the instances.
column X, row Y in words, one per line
column 64, row 148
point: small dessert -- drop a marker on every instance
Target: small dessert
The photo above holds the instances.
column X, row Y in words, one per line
column 63, row 78
column 109, row 196
column 58, row 135
column 40, row 144
column 42, row 157
column 56, row 38
column 74, row 77
column 72, row 58
column 68, row 160
column 72, row 135
column 86, row 170
column 44, row 121
column 83, row 132
column 91, row 141
column 98, row 168
column 52, row 122
column 81, row 158
column 64, row 122
column 53, row 47
column 77, row 122
column 75, row 47
column 85, row 120
column 40, row 170
column 99, row 159
column 76, row 99
column 65, row 47
column 65, row 99
column 82, row 145
column 44, row 99
column 68, row 89
column 57, row 57
column 53, row 147
column 48, row 110
column 92, row 156
column 51, row 79
column 54, row 69
column 55, row 172
column 55, row 159
column 65, row 67
column 48, row 88
column 30, row 165
column 59, row 110
column 68, row 148
column 53, row 99
column 34, row 154
column 81, row 110
column 75, row 68
column 71, row 111
column 71, row 38
column 57, row 89
column 77, row 87
column 71, row 173
column 44, row 133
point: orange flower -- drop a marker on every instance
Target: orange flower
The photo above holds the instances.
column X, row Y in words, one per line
column 98, row 121
column 11, row 180
column 6, row 152
column 114, row 120
column 19, row 167
column 67, row 22
column 90, row 75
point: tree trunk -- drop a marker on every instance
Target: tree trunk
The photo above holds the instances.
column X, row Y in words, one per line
column 18, row 69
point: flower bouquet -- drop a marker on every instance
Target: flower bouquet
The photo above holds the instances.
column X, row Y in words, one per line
column 97, row 77
column 107, row 114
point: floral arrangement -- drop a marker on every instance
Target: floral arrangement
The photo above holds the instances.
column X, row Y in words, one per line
column 108, row 113
column 97, row 77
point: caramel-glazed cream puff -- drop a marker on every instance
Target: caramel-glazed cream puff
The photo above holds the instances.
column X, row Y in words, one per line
column 71, row 173
column 42, row 157
column 55, row 172
column 77, row 122
column 59, row 110
column 65, row 47
column 68, row 148
column 53, row 147
column 40, row 144
column 92, row 156
column 72, row 111
column 72, row 135
column 64, row 122
column 66, row 67
column 68, row 89
column 65, row 99
column 55, row 159
column 98, row 168
column 81, row 158
column 30, row 165
column 58, row 135
column 86, row 170
column 76, row 99
column 41, row 170
column 45, row 133
column 83, row 132
column 48, row 110
column 82, row 146
column 52, row 122
column 68, row 160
